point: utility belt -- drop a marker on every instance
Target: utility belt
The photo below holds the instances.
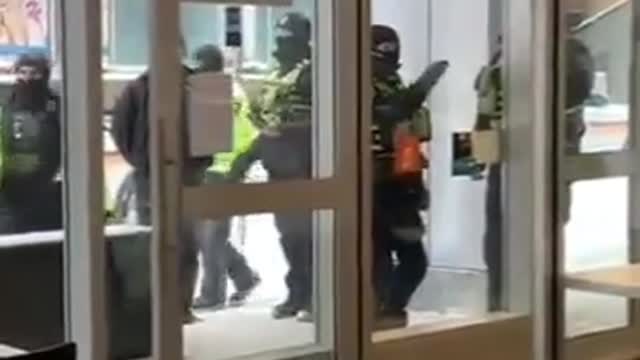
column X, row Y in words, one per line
column 408, row 192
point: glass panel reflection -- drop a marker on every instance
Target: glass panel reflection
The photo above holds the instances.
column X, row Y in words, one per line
column 31, row 179
column 596, row 239
column 437, row 219
column 263, row 106
column 598, row 63
column 127, row 199
column 251, row 67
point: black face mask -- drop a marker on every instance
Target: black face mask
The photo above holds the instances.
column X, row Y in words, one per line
column 30, row 94
column 382, row 69
column 290, row 51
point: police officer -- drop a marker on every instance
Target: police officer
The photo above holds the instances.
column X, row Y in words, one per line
column 398, row 198
column 579, row 72
column 30, row 150
column 490, row 111
column 283, row 115
column 130, row 132
column 219, row 257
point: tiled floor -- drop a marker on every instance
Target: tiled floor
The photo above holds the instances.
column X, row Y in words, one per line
column 9, row 351
column 243, row 331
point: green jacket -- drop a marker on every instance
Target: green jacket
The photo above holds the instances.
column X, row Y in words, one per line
column 243, row 134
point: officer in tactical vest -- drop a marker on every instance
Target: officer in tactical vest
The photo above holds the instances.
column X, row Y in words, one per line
column 219, row 256
column 398, row 194
column 579, row 72
column 283, row 115
column 30, row 151
column 490, row 110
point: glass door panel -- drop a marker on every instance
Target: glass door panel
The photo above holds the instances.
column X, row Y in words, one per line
column 444, row 248
column 260, row 288
column 257, row 211
column 596, row 183
column 35, row 247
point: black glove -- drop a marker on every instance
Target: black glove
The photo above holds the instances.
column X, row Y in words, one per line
column 418, row 91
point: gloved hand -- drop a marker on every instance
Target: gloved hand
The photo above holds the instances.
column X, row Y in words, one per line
column 418, row 91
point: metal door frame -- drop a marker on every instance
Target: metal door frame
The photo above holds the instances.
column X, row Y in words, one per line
column 527, row 174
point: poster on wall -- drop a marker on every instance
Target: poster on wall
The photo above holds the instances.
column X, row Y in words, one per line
column 24, row 28
column 463, row 162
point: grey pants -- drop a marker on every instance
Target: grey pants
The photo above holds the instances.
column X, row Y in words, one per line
column 187, row 244
column 493, row 255
column 220, row 257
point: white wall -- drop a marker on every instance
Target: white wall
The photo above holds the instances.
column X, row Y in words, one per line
column 460, row 35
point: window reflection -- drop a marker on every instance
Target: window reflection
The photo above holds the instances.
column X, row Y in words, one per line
column 450, row 267
column 253, row 275
column 599, row 48
column 584, row 250
column 31, row 236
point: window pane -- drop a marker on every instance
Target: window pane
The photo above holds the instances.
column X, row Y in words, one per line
column 596, row 239
column 597, row 66
column 268, row 260
column 255, row 290
column 127, row 201
column 31, row 181
column 268, row 126
column 438, row 241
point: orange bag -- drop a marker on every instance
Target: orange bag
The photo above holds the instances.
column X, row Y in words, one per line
column 408, row 158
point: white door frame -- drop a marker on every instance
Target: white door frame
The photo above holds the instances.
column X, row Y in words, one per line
column 84, row 255
column 336, row 189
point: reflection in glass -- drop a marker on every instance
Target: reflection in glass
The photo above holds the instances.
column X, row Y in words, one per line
column 598, row 63
column 596, row 239
column 454, row 206
column 127, row 203
column 31, row 222
column 246, row 282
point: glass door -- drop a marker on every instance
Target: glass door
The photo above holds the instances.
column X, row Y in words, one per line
column 597, row 182
column 254, row 179
column 449, row 245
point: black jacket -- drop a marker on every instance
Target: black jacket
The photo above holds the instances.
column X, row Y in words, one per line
column 130, row 127
column 31, row 133
column 284, row 156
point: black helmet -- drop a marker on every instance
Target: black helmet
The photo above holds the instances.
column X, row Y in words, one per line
column 295, row 26
column 385, row 44
column 38, row 61
column 293, row 37
column 210, row 58
column 579, row 69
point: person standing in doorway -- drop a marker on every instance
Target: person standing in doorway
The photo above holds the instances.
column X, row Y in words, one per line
column 219, row 256
column 400, row 126
column 283, row 115
column 30, row 151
